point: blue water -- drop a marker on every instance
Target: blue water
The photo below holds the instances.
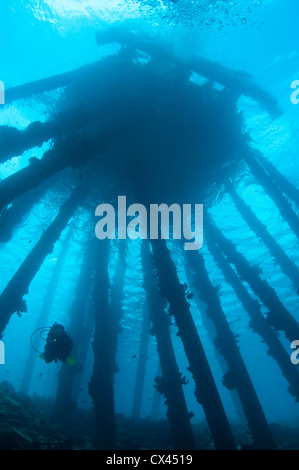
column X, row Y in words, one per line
column 42, row 38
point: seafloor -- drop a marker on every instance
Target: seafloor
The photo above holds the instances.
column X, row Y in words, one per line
column 28, row 423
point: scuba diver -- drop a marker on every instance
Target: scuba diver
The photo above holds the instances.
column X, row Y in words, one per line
column 58, row 346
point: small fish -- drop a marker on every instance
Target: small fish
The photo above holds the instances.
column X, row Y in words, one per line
column 133, row 357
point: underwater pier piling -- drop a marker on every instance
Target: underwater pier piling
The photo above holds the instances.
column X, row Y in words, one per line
column 210, row 329
column 11, row 299
column 85, row 340
column 101, row 385
column 64, row 399
column 206, row 391
column 284, row 184
column 237, row 376
column 71, row 152
column 270, row 187
column 141, row 365
column 45, row 312
column 287, row 266
column 156, row 403
column 14, row 215
column 116, row 298
column 14, row 142
column 170, row 384
column 278, row 316
column 43, row 85
column 238, row 84
column 258, row 322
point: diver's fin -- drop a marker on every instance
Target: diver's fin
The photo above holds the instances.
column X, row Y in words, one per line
column 42, row 356
column 70, row 361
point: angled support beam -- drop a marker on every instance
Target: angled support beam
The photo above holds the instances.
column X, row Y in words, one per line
column 284, row 184
column 270, row 187
column 206, row 391
column 50, row 83
column 237, row 82
column 287, row 266
column 11, row 299
column 72, row 152
column 171, row 382
column 278, row 316
column 237, row 376
column 258, row 323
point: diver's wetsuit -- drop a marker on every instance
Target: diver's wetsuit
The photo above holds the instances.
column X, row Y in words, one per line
column 58, row 345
